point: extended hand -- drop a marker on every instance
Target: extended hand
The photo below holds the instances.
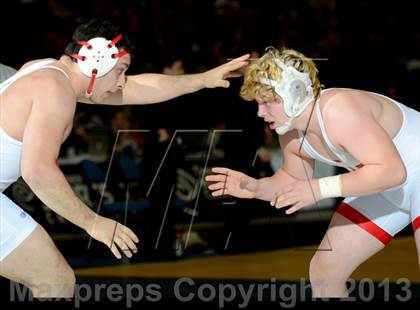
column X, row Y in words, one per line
column 217, row 77
column 299, row 194
column 114, row 235
column 231, row 182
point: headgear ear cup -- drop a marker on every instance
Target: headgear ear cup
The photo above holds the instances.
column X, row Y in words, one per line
column 97, row 57
column 295, row 89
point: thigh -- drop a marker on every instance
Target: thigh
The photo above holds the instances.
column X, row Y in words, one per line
column 34, row 259
column 360, row 227
column 346, row 245
column 15, row 226
column 27, row 251
column 376, row 215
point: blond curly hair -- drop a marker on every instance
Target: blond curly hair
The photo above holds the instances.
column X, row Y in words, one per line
column 266, row 68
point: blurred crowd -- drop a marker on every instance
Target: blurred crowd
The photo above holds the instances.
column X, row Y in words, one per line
column 365, row 44
column 372, row 45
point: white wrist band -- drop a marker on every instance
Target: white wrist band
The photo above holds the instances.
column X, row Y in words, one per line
column 330, row 187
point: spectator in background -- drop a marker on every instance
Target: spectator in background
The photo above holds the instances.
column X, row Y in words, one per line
column 128, row 141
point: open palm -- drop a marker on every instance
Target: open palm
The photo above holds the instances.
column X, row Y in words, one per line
column 231, row 182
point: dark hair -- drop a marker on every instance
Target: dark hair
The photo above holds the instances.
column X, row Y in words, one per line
column 97, row 28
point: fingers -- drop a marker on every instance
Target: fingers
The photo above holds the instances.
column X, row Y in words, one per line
column 115, row 251
column 220, row 192
column 284, row 203
column 284, row 200
column 129, row 232
column 240, row 58
column 216, row 178
column 126, row 238
column 122, row 244
column 223, row 83
column 221, row 176
column 217, row 186
column 126, row 245
column 294, row 208
column 232, row 68
column 233, row 75
column 236, row 65
column 221, row 170
column 220, row 188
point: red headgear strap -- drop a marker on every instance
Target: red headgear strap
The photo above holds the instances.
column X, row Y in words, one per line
column 96, row 58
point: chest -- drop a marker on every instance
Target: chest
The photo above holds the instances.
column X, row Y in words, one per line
column 320, row 146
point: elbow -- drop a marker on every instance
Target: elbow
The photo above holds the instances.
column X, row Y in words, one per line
column 402, row 176
column 32, row 175
column 399, row 175
column 29, row 175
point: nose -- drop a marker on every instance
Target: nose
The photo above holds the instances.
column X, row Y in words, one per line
column 261, row 110
column 121, row 81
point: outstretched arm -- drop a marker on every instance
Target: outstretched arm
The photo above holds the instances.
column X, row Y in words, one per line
column 153, row 88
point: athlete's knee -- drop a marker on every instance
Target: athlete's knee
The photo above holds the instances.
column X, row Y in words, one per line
column 58, row 283
column 325, row 267
column 69, row 277
column 65, row 276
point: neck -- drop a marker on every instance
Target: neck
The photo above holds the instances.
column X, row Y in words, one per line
column 77, row 80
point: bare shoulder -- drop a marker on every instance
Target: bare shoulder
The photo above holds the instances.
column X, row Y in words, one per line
column 345, row 113
column 50, row 84
column 53, row 97
column 339, row 105
column 32, row 62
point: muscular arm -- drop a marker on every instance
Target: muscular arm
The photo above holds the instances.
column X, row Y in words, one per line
column 52, row 112
column 237, row 184
column 295, row 167
column 363, row 137
column 150, row 88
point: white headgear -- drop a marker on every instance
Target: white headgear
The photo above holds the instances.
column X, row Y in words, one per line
column 296, row 91
column 97, row 57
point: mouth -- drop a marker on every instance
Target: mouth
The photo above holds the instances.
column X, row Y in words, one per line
column 272, row 125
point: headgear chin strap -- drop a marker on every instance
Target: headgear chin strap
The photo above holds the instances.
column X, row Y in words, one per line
column 296, row 91
column 97, row 57
column 281, row 130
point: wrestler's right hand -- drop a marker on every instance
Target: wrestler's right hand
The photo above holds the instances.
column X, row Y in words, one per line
column 233, row 183
column 114, row 235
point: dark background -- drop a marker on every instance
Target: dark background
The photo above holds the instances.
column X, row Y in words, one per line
column 370, row 45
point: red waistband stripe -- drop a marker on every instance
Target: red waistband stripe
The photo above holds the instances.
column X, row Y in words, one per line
column 362, row 221
column 416, row 223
